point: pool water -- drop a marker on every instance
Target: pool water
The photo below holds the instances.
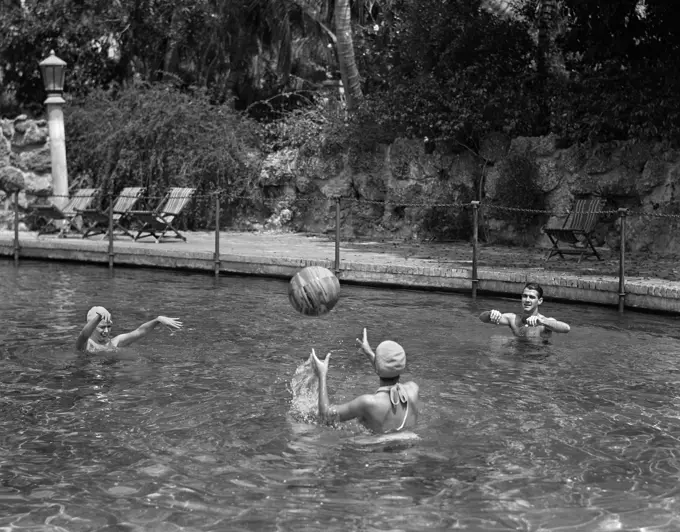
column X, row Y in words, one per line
column 211, row 428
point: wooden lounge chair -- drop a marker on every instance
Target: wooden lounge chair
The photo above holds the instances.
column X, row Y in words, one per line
column 576, row 231
column 158, row 222
column 67, row 215
column 97, row 221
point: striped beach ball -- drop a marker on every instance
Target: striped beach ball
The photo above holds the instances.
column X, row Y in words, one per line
column 314, row 291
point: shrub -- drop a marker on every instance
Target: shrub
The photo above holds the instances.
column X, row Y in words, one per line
column 157, row 137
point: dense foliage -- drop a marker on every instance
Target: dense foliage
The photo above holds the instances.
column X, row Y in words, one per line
column 449, row 71
column 156, row 136
column 243, row 48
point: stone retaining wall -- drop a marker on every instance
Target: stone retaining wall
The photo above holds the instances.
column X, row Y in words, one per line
column 25, row 164
column 643, row 177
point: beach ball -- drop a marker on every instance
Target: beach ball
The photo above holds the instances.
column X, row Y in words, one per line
column 314, row 291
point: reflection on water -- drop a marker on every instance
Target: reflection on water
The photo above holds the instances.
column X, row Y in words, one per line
column 213, row 428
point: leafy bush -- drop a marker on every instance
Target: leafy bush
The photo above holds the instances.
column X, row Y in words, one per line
column 307, row 125
column 158, row 137
column 624, row 102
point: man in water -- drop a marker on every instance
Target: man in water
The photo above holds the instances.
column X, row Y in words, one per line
column 96, row 335
column 530, row 322
column 392, row 408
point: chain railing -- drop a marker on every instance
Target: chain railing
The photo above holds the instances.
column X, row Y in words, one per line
column 220, row 196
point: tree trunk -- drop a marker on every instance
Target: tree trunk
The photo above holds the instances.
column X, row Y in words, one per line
column 550, row 59
column 348, row 66
column 171, row 55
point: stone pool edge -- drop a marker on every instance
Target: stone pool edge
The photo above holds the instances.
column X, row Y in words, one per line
column 641, row 293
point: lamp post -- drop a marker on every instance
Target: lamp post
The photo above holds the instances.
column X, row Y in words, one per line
column 52, row 70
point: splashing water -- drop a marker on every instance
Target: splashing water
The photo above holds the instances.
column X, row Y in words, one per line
column 305, row 389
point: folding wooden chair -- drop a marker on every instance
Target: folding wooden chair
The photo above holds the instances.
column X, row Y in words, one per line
column 158, row 222
column 97, row 221
column 67, row 215
column 576, row 231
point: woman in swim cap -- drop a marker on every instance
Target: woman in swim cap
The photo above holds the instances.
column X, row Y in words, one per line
column 392, row 408
column 96, row 335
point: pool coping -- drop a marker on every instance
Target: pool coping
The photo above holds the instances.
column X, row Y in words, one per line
column 271, row 258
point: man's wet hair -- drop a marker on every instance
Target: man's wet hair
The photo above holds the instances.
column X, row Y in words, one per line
column 534, row 286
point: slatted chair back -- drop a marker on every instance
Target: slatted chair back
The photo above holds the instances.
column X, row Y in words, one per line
column 126, row 200
column 584, row 216
column 175, row 201
column 82, row 199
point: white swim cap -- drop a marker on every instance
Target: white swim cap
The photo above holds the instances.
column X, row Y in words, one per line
column 390, row 359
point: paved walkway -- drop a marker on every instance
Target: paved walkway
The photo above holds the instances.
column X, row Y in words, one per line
column 651, row 282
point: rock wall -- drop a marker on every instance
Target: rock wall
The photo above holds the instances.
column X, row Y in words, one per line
column 643, row 177
column 25, row 164
column 640, row 176
column 404, row 174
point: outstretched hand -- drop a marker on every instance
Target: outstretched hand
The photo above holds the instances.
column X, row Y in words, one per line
column 320, row 366
column 172, row 323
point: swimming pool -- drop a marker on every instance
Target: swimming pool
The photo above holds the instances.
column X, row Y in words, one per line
column 200, row 430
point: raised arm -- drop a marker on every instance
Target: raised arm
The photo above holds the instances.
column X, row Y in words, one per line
column 144, row 329
column 90, row 326
column 496, row 317
column 321, row 370
column 327, row 412
column 366, row 348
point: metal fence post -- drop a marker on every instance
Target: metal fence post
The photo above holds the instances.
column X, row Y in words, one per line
column 16, row 228
column 622, row 262
column 337, row 235
column 217, row 234
column 111, row 231
column 475, row 239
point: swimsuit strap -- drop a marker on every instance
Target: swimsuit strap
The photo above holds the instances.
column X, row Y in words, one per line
column 397, row 395
column 405, row 416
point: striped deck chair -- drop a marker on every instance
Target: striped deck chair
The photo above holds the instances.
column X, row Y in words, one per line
column 576, row 231
column 97, row 221
column 158, row 222
column 63, row 220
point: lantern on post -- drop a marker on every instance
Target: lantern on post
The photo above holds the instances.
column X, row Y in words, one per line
column 52, row 70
